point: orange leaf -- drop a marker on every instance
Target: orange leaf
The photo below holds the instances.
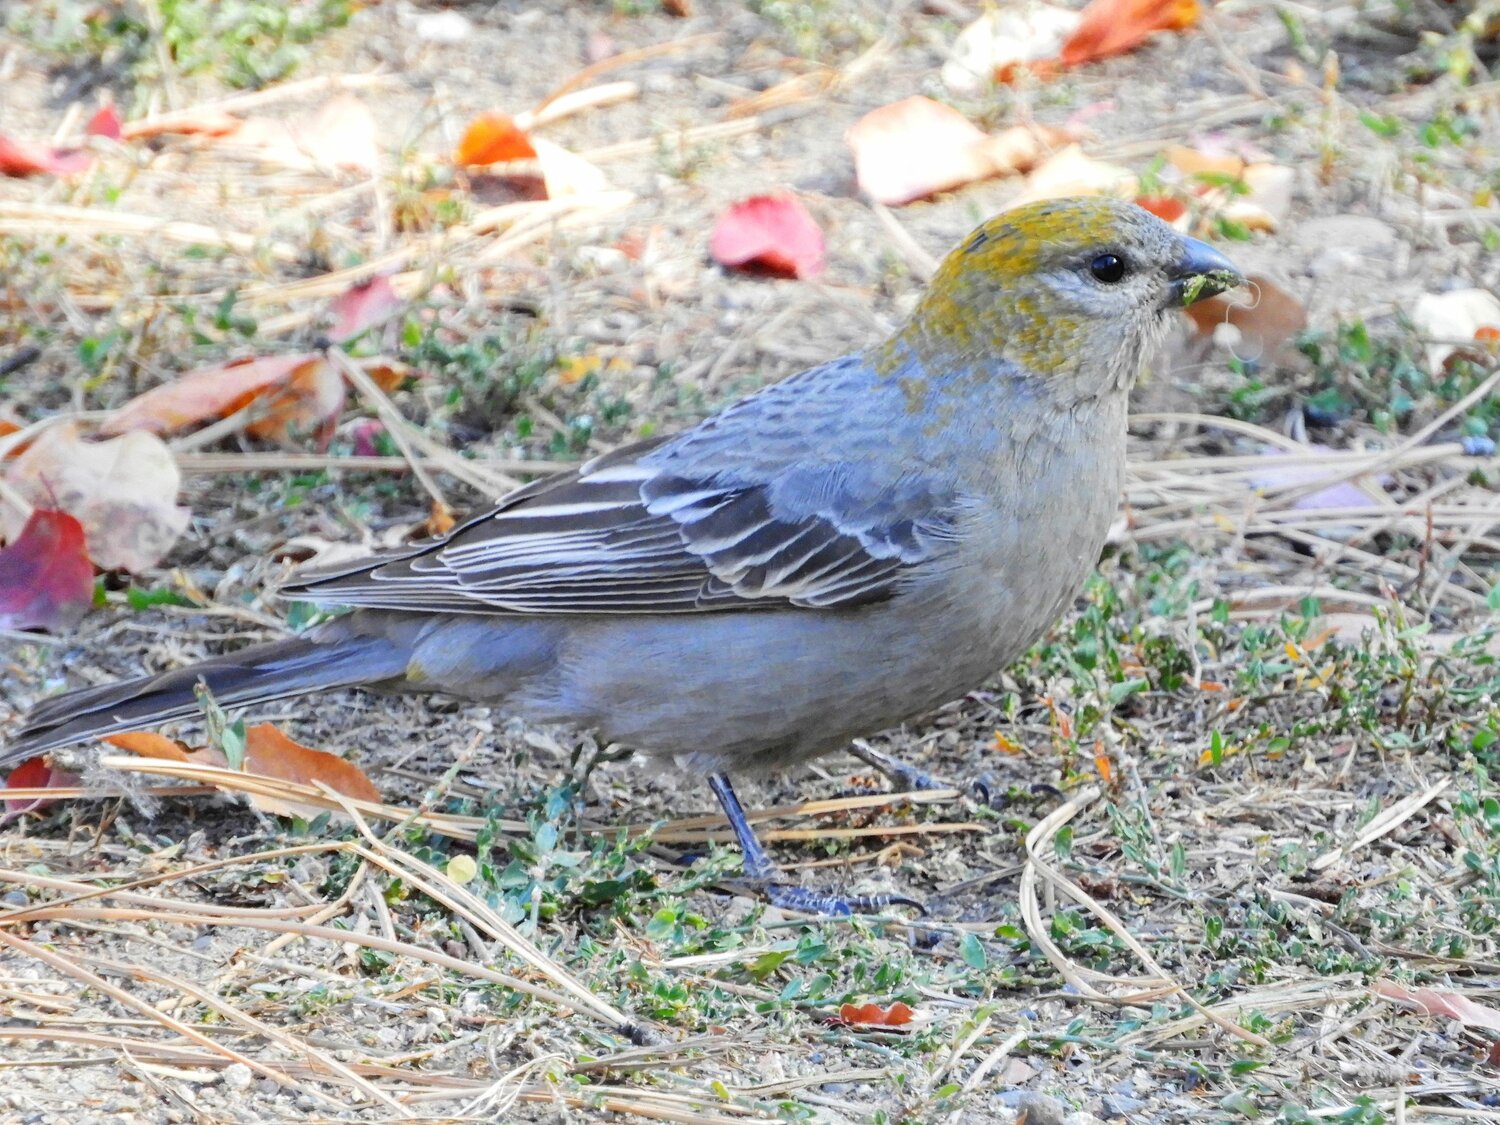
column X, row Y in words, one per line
column 1104, row 765
column 203, row 394
column 145, row 744
column 872, row 1013
column 493, row 137
column 1112, row 27
column 296, row 394
column 306, row 406
column 268, row 753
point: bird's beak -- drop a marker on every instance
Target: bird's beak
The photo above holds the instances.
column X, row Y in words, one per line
column 1201, row 271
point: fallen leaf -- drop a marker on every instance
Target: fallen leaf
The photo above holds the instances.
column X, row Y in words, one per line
column 565, row 173
column 294, row 396
column 491, row 138
column 363, row 306
column 268, row 753
column 146, row 744
column 894, row 1016
column 1342, row 494
column 195, row 121
column 1448, row 318
column 1165, row 208
column 34, row 773
column 1447, row 1005
column 1070, row 172
column 495, row 138
column 1266, row 198
column 123, row 491
column 46, row 581
column 306, row 408
column 917, row 147
column 1112, row 27
column 440, row 521
column 1252, row 322
column 773, row 232
column 105, row 123
column 341, row 134
column 1002, row 41
column 23, row 158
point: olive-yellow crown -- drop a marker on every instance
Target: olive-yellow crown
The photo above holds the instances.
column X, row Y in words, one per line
column 1072, row 291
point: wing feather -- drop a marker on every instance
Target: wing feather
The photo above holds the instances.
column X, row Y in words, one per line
column 713, row 519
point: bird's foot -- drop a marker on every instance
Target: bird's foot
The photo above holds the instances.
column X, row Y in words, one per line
column 791, row 896
column 910, row 778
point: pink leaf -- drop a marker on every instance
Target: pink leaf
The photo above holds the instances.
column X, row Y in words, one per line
column 106, row 123
column 364, row 306
column 46, row 580
column 22, row 158
column 773, row 233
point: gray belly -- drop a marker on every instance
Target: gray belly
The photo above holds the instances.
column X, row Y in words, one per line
column 762, row 690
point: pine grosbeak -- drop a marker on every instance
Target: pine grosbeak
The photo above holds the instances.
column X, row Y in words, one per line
column 833, row 555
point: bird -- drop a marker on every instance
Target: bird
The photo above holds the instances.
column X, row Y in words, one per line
column 835, row 554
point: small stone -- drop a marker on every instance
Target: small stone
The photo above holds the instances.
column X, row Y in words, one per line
column 1039, row 1109
column 1120, row 1105
column 237, row 1076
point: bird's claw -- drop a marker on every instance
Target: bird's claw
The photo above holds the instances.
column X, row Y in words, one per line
column 791, row 896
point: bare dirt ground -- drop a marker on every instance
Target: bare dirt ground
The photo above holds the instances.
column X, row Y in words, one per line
column 1247, row 783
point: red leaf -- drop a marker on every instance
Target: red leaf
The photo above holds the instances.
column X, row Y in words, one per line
column 1112, row 27
column 106, row 123
column 872, row 1013
column 46, row 580
column 22, row 158
column 34, row 773
column 364, row 306
column 769, row 232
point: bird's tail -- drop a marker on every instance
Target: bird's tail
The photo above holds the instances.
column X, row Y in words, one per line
column 328, row 658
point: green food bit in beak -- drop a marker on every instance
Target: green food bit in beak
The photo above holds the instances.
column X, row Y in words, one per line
column 1214, row 281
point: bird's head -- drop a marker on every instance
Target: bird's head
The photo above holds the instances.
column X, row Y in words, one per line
column 1072, row 292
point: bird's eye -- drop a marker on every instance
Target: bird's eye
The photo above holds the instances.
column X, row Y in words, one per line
column 1107, row 268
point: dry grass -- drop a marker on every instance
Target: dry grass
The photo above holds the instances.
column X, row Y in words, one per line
column 1264, row 740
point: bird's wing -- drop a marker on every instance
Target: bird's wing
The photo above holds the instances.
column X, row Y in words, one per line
column 695, row 523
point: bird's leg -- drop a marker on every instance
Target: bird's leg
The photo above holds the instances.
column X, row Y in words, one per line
column 760, row 868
